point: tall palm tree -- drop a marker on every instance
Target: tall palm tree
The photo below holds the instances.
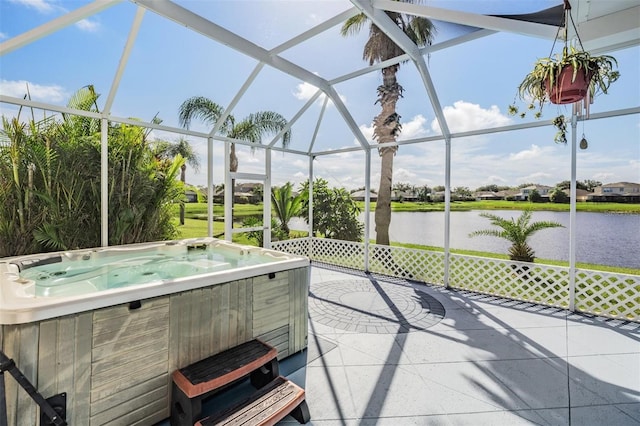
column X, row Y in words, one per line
column 182, row 147
column 252, row 128
column 386, row 126
column 286, row 204
column 516, row 232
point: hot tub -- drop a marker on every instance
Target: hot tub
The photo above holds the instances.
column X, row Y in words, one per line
column 107, row 326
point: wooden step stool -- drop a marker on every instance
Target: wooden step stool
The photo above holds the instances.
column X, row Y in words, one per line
column 266, row 406
column 192, row 384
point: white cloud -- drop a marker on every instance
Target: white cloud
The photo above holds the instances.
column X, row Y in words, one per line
column 367, row 131
column 535, row 177
column 497, row 179
column 465, row 116
column 604, row 176
column 410, row 130
column 45, row 93
column 88, row 26
column 401, row 174
column 414, row 129
column 42, row 6
column 3, row 36
column 305, row 91
column 528, row 154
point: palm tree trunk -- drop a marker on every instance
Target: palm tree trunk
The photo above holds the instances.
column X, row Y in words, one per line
column 386, row 126
column 383, row 204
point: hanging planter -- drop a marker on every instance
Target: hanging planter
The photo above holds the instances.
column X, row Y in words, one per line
column 571, row 85
column 568, row 77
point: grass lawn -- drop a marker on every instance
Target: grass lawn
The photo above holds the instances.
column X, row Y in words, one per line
column 509, row 205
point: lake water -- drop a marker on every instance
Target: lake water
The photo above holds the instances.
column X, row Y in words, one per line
column 602, row 238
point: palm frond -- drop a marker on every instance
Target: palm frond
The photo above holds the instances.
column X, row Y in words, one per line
column 353, row 25
column 201, row 108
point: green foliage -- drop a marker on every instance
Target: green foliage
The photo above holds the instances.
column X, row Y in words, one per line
column 424, row 193
column 558, row 196
column 587, row 184
column 286, row 205
column 277, row 233
column 462, row 193
column 50, row 184
column 335, row 214
column 534, row 196
column 517, row 232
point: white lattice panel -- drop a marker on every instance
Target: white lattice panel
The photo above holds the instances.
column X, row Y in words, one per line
column 420, row 265
column 296, row 246
column 336, row 252
column 607, row 294
column 515, row 280
column 600, row 293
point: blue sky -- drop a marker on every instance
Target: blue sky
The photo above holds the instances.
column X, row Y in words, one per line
column 475, row 83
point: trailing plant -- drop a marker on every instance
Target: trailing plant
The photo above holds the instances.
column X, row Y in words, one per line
column 599, row 70
column 560, row 123
column 566, row 77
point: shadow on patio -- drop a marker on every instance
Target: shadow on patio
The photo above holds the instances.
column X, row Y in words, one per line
column 394, row 352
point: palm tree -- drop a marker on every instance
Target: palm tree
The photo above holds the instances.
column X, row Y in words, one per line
column 252, row 128
column 286, row 205
column 516, row 232
column 386, row 126
column 168, row 150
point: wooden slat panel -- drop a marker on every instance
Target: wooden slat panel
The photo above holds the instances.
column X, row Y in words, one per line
column 110, row 369
column 11, row 347
column 206, row 321
column 47, row 357
column 27, row 362
column 248, row 319
column 124, row 311
column 270, row 303
column 107, row 329
column 233, row 314
column 216, row 330
column 65, row 353
column 223, row 317
column 174, row 333
column 278, row 338
column 119, row 384
column 130, row 360
column 299, row 288
column 18, row 344
column 79, row 403
column 146, row 415
column 264, row 323
column 130, row 400
column 121, row 348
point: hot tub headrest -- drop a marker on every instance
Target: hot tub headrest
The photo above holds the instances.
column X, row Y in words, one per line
column 30, row 263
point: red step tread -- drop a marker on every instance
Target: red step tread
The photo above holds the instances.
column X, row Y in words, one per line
column 223, row 368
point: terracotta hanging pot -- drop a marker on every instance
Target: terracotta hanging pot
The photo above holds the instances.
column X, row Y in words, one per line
column 565, row 91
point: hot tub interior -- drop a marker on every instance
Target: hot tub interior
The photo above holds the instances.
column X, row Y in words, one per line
column 81, row 272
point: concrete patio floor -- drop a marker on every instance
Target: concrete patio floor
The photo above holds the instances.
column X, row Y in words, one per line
column 386, row 351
